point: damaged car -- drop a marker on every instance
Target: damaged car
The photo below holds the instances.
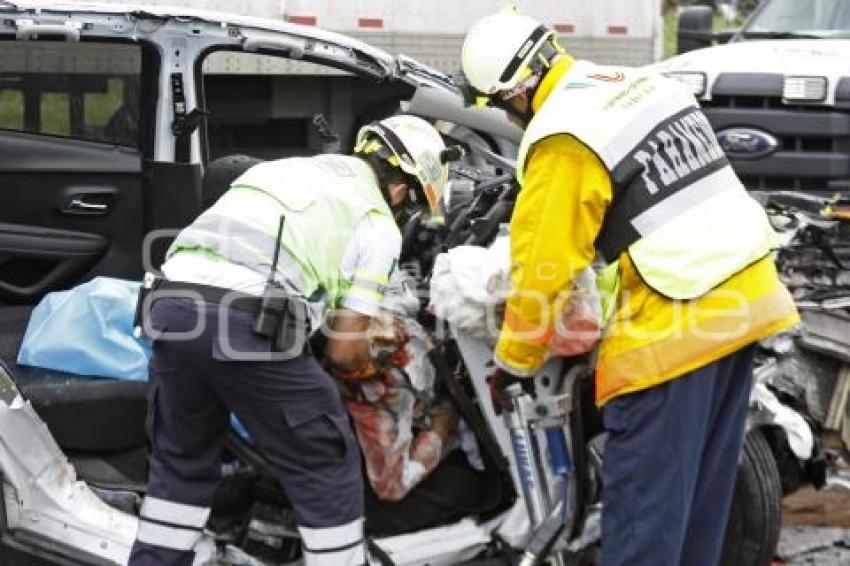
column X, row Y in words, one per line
column 118, row 125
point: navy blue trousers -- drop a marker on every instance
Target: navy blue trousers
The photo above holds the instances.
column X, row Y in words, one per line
column 670, row 465
column 291, row 409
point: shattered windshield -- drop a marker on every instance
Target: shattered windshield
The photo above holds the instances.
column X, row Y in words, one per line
column 790, row 18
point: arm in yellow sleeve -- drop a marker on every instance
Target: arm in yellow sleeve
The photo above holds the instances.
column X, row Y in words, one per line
column 559, row 212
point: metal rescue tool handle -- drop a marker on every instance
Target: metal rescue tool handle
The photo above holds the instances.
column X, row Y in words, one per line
column 549, row 515
column 524, row 453
column 544, row 535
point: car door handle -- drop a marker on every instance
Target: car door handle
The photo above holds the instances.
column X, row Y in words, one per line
column 79, row 205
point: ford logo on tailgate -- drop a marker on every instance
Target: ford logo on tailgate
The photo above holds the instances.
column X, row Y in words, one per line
column 746, row 143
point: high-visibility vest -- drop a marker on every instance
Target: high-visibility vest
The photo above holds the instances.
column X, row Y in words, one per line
column 323, row 199
column 678, row 209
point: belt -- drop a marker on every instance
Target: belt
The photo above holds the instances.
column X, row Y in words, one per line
column 165, row 289
column 275, row 320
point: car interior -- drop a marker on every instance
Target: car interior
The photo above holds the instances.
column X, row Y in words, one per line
column 79, row 158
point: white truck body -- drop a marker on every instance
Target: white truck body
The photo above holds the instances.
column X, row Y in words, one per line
column 626, row 32
column 778, row 95
column 801, row 57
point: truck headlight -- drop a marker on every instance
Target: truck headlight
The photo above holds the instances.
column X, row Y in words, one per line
column 693, row 79
column 809, row 89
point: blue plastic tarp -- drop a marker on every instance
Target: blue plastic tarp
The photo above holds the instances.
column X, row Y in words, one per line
column 88, row 331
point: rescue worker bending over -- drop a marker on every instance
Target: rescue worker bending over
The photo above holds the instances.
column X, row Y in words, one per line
column 622, row 162
column 339, row 244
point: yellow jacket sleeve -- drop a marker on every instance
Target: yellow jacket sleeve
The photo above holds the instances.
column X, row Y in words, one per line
column 559, row 212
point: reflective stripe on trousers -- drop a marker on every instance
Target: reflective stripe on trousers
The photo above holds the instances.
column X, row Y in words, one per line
column 171, row 525
column 290, row 408
column 178, row 526
column 334, row 546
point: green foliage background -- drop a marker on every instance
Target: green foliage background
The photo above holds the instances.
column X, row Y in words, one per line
column 54, row 108
column 671, row 24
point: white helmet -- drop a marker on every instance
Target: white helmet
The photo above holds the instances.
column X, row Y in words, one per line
column 497, row 50
column 416, row 145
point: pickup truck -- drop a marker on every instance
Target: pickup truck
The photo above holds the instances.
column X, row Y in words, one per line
column 777, row 91
column 109, row 127
column 105, row 137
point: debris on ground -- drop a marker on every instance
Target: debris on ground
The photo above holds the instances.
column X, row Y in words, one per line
column 816, row 523
column 821, row 546
column 829, row 507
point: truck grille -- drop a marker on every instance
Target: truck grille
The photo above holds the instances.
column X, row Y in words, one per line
column 813, row 142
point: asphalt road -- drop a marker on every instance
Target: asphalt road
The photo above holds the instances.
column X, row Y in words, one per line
column 816, row 526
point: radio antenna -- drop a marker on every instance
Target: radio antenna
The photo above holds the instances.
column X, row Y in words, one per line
column 276, row 255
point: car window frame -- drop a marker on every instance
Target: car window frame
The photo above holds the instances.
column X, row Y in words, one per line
column 142, row 139
column 332, row 63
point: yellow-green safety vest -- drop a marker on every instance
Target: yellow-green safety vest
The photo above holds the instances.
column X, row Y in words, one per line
column 323, row 199
column 678, row 209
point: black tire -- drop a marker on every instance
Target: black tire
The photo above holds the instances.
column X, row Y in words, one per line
column 756, row 514
column 220, row 173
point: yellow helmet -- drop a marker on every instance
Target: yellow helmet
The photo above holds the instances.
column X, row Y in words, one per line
column 416, row 147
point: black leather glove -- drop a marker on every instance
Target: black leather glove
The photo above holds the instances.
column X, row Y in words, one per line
column 499, row 381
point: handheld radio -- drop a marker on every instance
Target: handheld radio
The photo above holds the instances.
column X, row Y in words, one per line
column 281, row 318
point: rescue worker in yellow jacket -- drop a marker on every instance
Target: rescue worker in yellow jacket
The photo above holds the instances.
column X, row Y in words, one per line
column 620, row 164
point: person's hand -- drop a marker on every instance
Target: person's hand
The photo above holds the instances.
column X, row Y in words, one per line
column 499, row 381
column 390, row 337
column 400, row 331
column 578, row 330
column 366, row 372
column 388, row 331
column 347, row 351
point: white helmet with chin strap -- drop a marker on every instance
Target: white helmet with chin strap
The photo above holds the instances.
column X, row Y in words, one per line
column 415, row 147
column 502, row 51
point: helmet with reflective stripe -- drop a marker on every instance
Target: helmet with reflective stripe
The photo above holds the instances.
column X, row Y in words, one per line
column 416, row 146
column 498, row 50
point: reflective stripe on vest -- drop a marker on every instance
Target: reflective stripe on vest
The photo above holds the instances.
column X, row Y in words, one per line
column 323, row 198
column 678, row 208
